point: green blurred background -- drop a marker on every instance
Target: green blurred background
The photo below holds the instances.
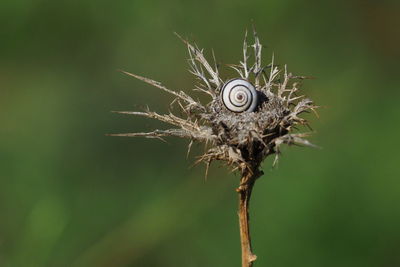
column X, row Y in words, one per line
column 70, row 196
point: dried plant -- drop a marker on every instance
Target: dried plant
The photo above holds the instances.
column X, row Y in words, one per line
column 241, row 139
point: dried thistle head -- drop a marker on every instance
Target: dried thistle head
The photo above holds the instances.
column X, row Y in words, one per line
column 242, row 138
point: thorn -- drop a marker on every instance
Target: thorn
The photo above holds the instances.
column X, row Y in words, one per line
column 189, row 147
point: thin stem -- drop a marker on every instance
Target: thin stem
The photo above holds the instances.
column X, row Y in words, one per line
column 244, row 190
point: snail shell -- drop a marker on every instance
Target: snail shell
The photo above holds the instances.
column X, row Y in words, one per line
column 239, row 95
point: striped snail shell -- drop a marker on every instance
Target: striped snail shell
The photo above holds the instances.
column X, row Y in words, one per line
column 239, row 95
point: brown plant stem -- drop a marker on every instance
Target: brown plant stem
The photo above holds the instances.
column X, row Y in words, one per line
column 244, row 190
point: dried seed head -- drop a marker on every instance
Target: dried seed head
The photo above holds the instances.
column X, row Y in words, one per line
column 248, row 117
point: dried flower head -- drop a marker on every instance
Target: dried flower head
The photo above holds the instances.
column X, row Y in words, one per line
column 247, row 119
column 242, row 139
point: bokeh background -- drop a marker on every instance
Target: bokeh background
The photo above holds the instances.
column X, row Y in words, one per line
column 70, row 196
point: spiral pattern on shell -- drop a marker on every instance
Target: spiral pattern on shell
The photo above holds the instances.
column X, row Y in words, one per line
column 239, row 95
